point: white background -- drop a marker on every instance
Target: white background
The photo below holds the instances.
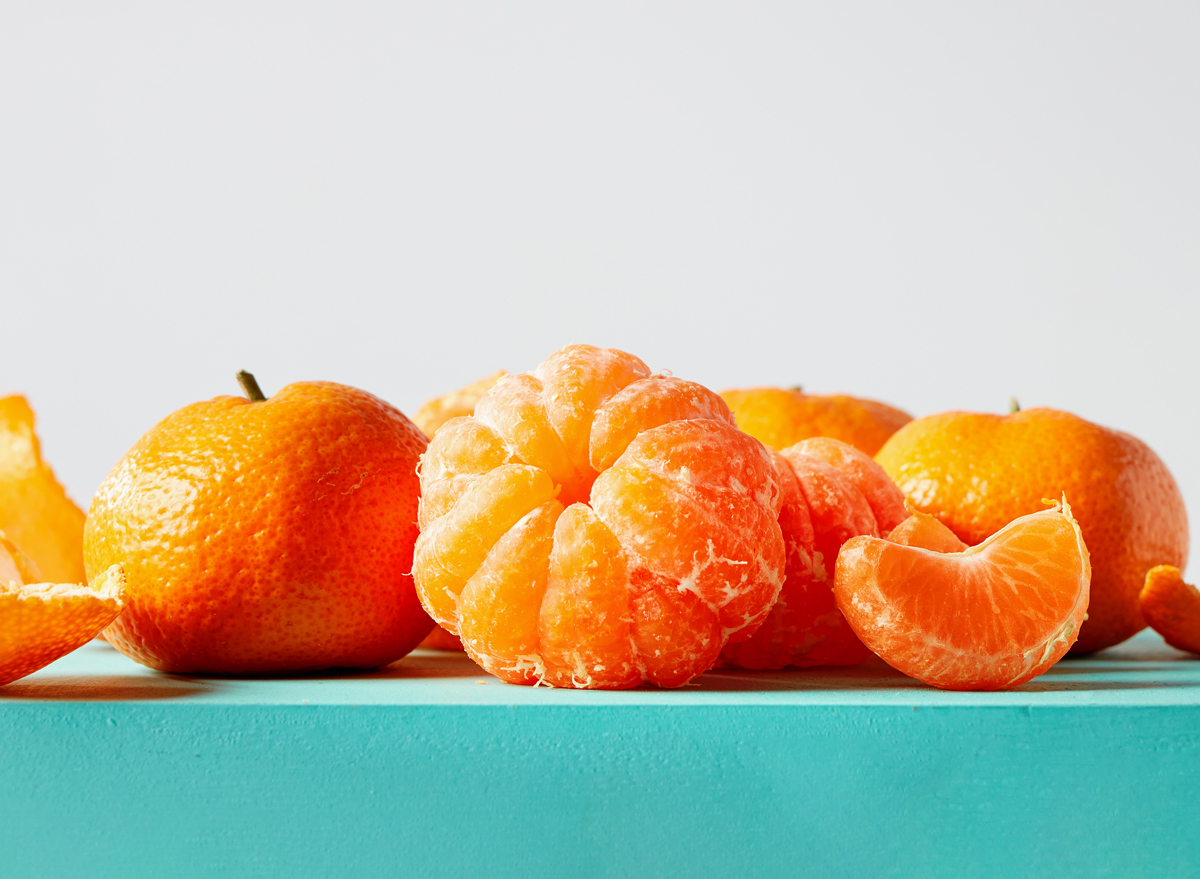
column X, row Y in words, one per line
column 937, row 205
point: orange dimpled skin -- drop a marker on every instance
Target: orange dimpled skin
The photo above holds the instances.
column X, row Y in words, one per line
column 978, row 472
column 1172, row 607
column 782, row 417
column 596, row 526
column 993, row 616
column 264, row 537
column 830, row 492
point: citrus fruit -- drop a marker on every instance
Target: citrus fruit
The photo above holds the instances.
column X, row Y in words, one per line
column 41, row 622
column 35, row 511
column 781, row 417
column 830, row 492
column 596, row 526
column 990, row 617
column 923, row 530
column 266, row 536
column 432, row 415
column 976, row 473
column 436, row 412
column 1172, row 607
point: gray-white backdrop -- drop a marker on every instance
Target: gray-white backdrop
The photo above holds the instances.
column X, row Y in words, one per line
column 935, row 204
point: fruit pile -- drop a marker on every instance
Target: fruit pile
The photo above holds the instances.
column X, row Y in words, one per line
column 593, row 524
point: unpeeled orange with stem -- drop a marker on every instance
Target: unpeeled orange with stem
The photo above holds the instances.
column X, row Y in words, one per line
column 596, row 526
column 831, row 492
column 41, row 622
column 978, row 472
column 1172, row 607
column 990, row 617
column 266, row 535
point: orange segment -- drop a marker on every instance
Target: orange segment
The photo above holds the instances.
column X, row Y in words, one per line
column 585, row 626
column 993, row 616
column 1172, row 607
column 436, row 412
column 674, row 632
column 499, row 607
column 923, row 530
column 40, row 623
column 577, row 380
column 646, row 404
column 461, row 452
column 451, row 549
column 35, row 511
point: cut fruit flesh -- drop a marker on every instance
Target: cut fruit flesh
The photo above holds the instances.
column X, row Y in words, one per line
column 40, row 623
column 990, row 617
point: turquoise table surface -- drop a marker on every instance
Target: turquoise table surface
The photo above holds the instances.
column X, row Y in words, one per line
column 432, row 768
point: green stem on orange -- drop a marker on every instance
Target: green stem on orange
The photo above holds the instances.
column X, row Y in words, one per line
column 250, row 386
column 1013, row 406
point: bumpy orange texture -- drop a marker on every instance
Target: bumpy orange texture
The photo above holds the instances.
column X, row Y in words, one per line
column 41, row 622
column 976, row 473
column 35, row 512
column 781, row 417
column 596, row 526
column 831, row 492
column 1172, row 607
column 991, row 617
column 266, row 537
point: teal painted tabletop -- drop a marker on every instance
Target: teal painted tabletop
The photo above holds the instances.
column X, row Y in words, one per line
column 431, row 767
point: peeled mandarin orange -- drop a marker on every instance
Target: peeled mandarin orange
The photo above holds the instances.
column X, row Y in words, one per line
column 976, row 473
column 781, row 417
column 830, row 492
column 596, row 526
column 1172, row 607
column 35, row 511
column 40, row 623
column 266, row 536
column 993, row 616
column 432, row 415
column 436, row 412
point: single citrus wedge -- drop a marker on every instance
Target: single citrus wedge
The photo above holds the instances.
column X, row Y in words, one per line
column 1172, row 607
column 35, row 511
column 436, row 412
column 990, row 617
column 41, row 622
column 596, row 526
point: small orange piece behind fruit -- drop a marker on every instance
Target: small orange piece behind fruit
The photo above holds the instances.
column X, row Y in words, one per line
column 781, row 417
column 1172, row 607
column 921, row 529
column 41, row 622
column 266, row 537
column 596, row 526
column 990, row 617
column 436, row 412
column 35, row 511
column 978, row 472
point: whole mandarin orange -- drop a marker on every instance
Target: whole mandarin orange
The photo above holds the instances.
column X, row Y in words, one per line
column 267, row 536
column 596, row 526
column 781, row 417
column 976, row 473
